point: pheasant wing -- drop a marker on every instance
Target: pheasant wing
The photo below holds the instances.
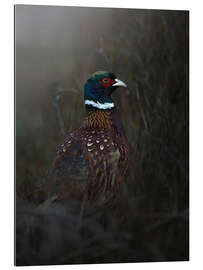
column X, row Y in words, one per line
column 70, row 171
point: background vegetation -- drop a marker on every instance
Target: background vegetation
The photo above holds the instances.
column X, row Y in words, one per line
column 57, row 49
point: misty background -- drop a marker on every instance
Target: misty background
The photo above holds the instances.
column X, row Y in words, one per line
column 59, row 48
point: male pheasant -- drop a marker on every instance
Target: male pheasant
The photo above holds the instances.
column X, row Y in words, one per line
column 92, row 161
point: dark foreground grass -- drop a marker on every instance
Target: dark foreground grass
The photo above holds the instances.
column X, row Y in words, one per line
column 51, row 236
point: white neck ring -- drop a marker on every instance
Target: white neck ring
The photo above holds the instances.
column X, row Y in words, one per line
column 103, row 106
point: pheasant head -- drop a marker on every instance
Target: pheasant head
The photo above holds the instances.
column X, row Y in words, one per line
column 98, row 90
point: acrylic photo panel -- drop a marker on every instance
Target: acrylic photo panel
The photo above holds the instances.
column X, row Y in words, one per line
column 102, row 134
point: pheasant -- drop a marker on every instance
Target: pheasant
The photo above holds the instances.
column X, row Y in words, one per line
column 92, row 161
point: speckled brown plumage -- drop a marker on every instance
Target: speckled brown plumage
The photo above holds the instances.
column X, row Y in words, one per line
column 99, row 119
column 93, row 159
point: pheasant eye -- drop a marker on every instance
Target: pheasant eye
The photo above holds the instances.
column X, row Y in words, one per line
column 107, row 82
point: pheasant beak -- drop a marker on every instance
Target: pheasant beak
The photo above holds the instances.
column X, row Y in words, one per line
column 119, row 83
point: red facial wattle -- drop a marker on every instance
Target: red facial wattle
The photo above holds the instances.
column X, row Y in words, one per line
column 107, row 82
